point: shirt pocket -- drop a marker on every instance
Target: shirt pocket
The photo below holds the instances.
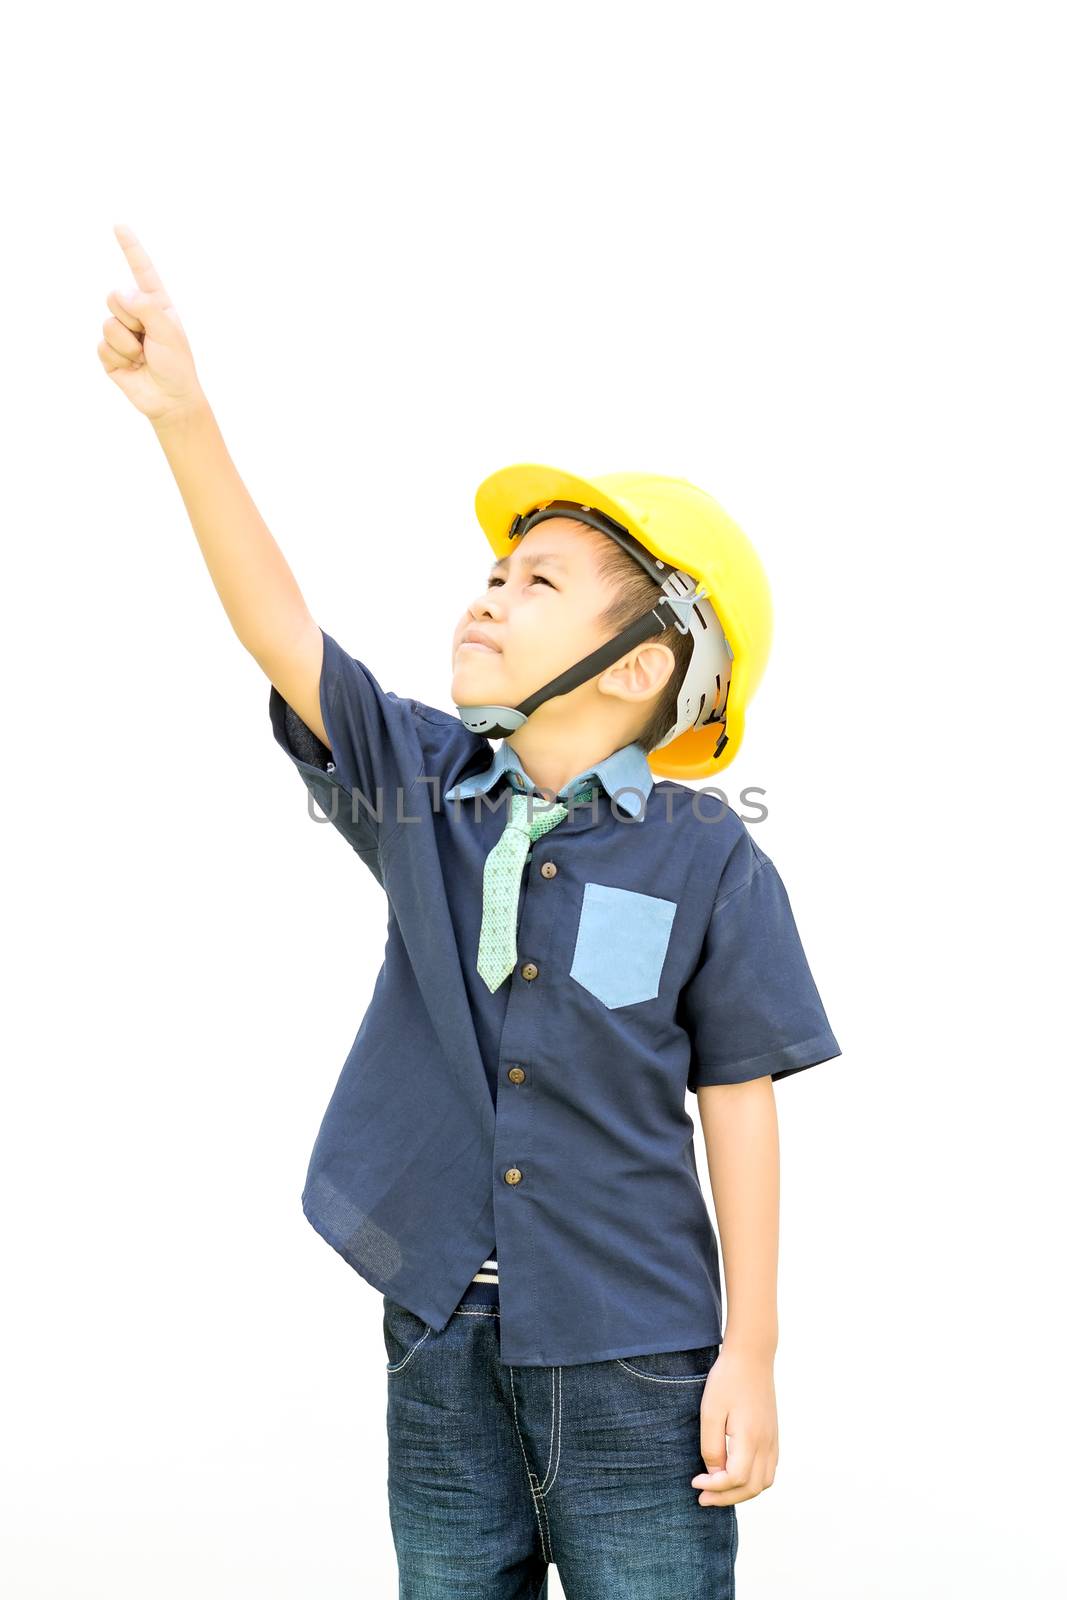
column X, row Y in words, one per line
column 622, row 944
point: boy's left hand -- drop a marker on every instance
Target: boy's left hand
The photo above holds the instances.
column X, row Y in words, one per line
column 738, row 1400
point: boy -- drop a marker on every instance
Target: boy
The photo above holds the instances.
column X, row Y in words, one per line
column 507, row 1156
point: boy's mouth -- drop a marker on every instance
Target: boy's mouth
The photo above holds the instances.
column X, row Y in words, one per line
column 477, row 639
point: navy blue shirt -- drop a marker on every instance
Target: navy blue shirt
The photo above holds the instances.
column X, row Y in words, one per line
column 657, row 951
column 624, row 777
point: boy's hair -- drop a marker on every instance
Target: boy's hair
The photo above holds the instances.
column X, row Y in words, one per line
column 636, row 593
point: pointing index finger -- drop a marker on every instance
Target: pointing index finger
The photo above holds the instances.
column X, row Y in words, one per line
column 145, row 275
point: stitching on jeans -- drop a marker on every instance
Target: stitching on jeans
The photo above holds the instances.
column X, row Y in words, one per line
column 476, row 1311
column 557, row 1419
column 529, row 1474
column 549, row 1556
column 399, row 1364
column 540, row 1491
column 655, row 1377
column 551, row 1432
column 549, row 1474
column 533, row 1482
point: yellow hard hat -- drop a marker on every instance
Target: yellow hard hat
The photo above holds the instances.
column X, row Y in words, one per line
column 690, row 537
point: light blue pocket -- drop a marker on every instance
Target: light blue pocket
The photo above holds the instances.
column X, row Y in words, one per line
column 622, row 944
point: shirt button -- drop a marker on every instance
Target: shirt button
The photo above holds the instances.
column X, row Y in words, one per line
column 529, row 970
column 516, row 1074
column 513, row 1175
column 548, row 869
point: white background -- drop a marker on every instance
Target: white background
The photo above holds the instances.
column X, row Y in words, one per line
column 809, row 257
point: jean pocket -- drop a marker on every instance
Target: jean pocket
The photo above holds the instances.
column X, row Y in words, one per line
column 622, row 944
column 672, row 1367
column 405, row 1334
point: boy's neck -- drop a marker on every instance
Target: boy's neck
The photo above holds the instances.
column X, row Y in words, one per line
column 550, row 767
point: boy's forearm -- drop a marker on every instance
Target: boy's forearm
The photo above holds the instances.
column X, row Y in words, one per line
column 258, row 591
column 740, row 1125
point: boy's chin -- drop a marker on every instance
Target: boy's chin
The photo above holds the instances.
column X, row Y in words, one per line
column 471, row 677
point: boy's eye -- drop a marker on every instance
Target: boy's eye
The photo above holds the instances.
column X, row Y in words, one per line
column 539, row 577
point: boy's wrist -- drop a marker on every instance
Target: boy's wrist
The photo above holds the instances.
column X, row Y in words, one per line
column 761, row 1342
column 183, row 418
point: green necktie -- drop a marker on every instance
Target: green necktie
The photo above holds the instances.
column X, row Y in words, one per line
column 501, row 879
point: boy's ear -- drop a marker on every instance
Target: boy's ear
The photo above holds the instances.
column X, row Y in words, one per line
column 641, row 674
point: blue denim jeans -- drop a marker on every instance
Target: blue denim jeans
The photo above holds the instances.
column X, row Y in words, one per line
column 497, row 1471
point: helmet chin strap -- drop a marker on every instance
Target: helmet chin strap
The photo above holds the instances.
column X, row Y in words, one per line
column 505, row 719
column 496, row 722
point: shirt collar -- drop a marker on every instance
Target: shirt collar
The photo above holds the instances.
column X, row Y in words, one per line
column 625, row 774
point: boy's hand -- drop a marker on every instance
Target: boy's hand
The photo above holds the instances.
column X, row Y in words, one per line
column 738, row 1400
column 144, row 348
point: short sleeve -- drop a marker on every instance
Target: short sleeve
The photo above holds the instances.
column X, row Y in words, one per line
column 751, row 1008
column 374, row 754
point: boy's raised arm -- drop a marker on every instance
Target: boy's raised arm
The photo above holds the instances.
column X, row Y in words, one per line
column 254, row 582
column 146, row 353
